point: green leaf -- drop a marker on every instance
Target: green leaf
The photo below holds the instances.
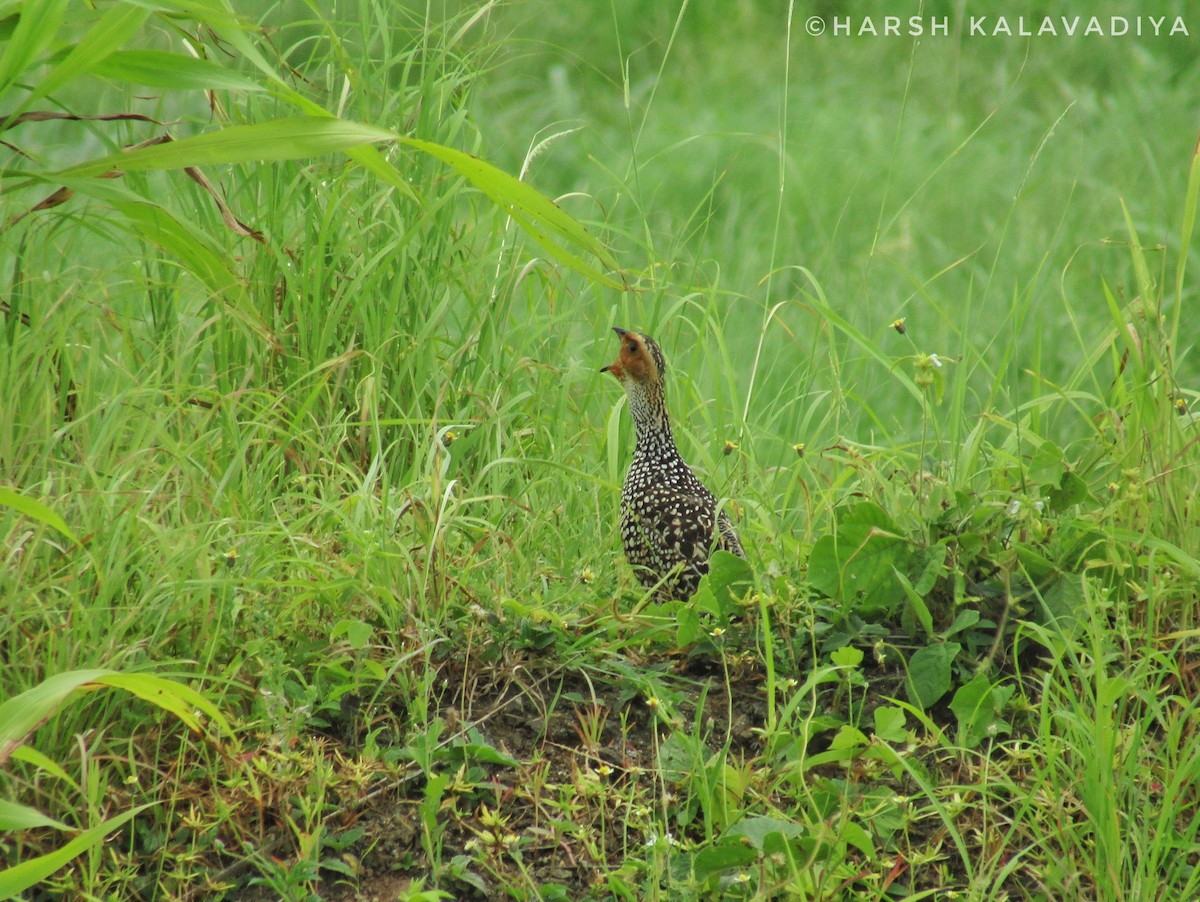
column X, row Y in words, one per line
column 14, row 816
column 107, row 35
column 24, row 713
column 723, row 856
column 929, row 673
column 703, row 601
column 1145, row 281
column 932, row 568
column 539, row 215
column 37, row 27
column 758, row 829
column 1046, row 462
column 729, row 577
column 966, row 619
column 177, row 698
column 1185, row 236
column 847, row 656
column 977, row 706
column 889, row 724
column 357, row 633
column 687, row 625
column 1036, row 565
column 337, row 866
column 868, row 344
column 483, row 753
column 1071, row 490
column 917, row 608
column 36, row 510
column 431, row 803
column 370, row 159
column 21, row 876
column 1062, row 604
column 33, row 757
column 866, row 514
column 849, row 737
column 856, row 564
column 292, row 138
column 681, row 755
column 729, row 573
column 192, row 249
column 299, row 137
column 858, row 837
column 160, row 69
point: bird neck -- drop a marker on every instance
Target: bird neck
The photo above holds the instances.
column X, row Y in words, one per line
column 648, row 407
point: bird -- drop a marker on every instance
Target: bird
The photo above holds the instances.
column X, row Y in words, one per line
column 669, row 520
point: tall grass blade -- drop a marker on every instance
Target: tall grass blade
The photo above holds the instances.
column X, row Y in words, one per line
column 107, row 36
column 36, row 29
column 36, row 510
column 21, row 877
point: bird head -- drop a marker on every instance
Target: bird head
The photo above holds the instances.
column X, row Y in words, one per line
column 639, row 362
column 640, row 368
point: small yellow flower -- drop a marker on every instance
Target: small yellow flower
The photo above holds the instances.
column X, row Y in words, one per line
column 799, row 449
column 586, row 576
column 730, row 447
column 231, row 557
column 449, row 437
column 490, row 818
column 899, row 326
column 652, row 703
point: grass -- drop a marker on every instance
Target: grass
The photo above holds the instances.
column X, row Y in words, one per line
column 312, row 584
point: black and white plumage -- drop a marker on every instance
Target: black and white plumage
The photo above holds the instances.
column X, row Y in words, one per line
column 669, row 520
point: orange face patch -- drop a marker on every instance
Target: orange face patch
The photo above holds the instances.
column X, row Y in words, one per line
column 633, row 360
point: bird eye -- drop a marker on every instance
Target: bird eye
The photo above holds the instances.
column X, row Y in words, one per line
column 633, row 347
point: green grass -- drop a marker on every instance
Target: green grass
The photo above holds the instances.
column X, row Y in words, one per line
column 335, row 489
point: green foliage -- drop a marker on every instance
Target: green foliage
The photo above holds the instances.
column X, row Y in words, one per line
column 978, row 705
column 857, row 563
column 22, row 714
column 301, row 407
column 35, row 509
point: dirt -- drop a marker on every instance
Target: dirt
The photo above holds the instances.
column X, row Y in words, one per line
column 535, row 715
column 566, row 731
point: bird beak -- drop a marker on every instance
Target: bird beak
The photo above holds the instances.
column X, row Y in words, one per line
column 614, row 367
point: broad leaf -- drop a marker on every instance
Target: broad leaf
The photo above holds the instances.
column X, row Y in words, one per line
column 929, row 673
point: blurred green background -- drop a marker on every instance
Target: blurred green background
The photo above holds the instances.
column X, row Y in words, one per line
column 972, row 185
